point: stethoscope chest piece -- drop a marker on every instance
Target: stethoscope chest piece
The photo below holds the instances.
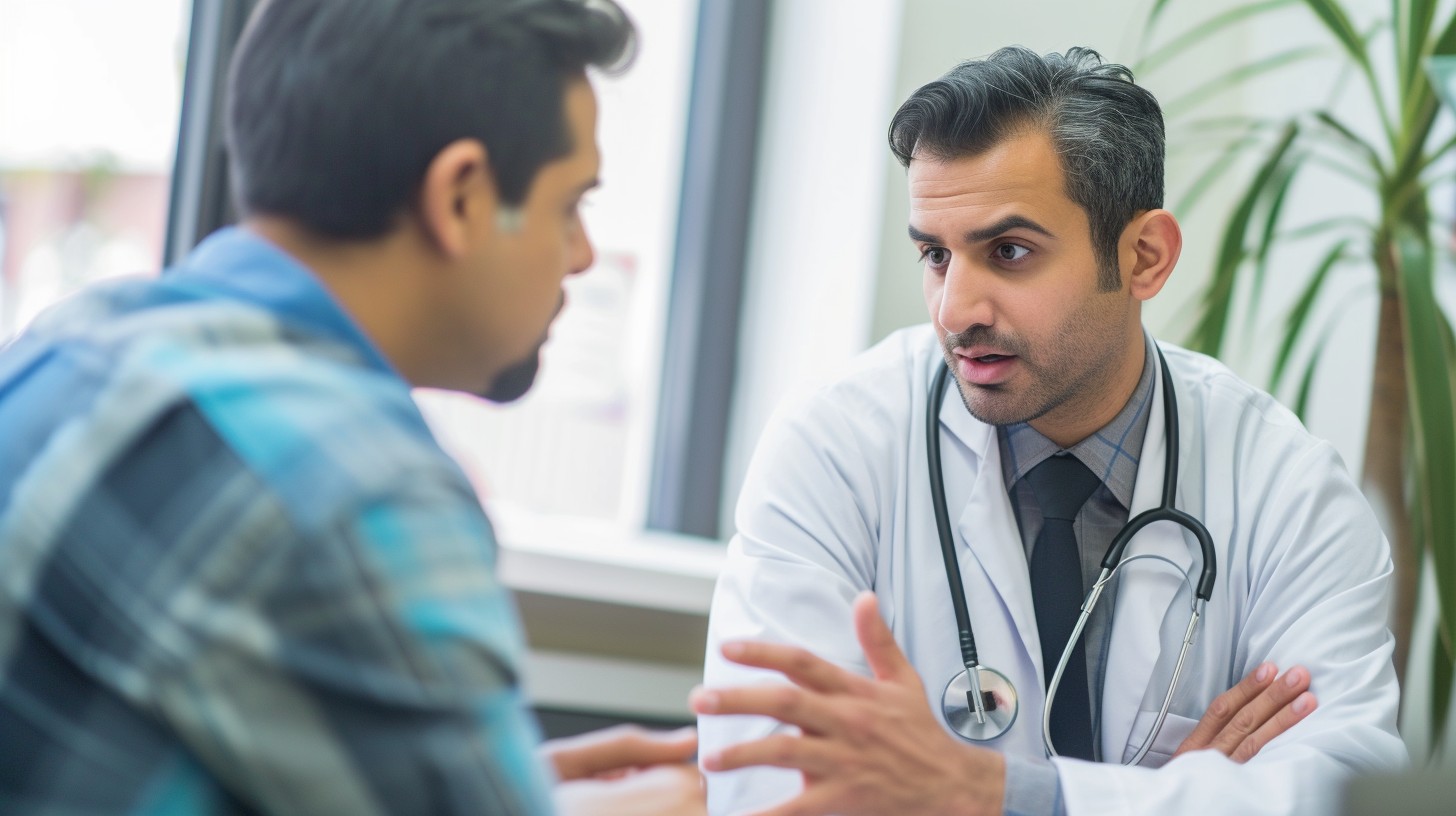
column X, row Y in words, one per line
column 999, row 705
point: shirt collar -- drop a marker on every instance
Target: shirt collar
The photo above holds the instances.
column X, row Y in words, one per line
column 241, row 265
column 1112, row 452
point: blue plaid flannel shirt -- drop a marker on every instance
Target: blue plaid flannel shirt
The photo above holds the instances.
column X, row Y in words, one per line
column 237, row 573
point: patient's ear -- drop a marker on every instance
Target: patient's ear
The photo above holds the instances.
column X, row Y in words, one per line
column 457, row 197
column 1148, row 252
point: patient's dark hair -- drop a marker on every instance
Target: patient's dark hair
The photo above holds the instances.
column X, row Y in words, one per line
column 337, row 107
column 1107, row 130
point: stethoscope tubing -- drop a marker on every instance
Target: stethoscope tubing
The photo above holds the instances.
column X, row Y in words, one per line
column 942, row 523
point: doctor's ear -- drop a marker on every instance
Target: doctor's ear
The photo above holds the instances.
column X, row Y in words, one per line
column 1149, row 250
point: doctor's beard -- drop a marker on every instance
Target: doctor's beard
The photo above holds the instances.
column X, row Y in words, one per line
column 1060, row 373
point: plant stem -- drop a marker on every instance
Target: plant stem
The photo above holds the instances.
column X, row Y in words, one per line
column 1384, row 474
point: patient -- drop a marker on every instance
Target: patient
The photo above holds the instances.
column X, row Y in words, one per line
column 239, row 574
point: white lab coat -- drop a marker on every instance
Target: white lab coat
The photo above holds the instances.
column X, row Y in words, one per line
column 837, row 501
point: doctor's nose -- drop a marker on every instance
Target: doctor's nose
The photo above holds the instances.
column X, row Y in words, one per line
column 964, row 301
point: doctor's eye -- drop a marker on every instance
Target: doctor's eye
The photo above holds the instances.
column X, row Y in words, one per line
column 935, row 256
column 1010, row 252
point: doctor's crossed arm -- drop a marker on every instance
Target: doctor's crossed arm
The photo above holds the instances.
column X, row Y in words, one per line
column 1245, row 718
column 871, row 744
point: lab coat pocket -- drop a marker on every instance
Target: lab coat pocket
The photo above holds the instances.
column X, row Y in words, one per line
column 1175, row 730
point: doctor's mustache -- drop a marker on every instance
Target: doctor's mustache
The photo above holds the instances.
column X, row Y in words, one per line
column 1005, row 344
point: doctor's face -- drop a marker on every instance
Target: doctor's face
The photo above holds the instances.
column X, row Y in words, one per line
column 1010, row 280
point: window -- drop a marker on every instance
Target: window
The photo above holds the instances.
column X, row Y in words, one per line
column 89, row 96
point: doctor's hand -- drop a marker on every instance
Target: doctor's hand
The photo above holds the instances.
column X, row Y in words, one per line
column 626, row 770
column 868, row 745
column 1242, row 720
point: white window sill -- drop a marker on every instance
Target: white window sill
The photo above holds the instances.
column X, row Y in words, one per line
column 616, row 620
column 629, row 689
column 596, row 561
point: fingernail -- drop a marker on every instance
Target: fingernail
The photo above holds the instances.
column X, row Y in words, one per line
column 1292, row 677
column 713, row 762
column 705, row 701
column 1265, row 669
column 1303, row 703
column 733, row 651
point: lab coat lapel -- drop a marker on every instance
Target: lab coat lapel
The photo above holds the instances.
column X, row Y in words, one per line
column 1146, row 587
column 986, row 529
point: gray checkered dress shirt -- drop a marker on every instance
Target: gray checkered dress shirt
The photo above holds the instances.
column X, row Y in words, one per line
column 1112, row 453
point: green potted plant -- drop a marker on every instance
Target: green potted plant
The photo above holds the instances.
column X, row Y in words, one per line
column 1409, row 470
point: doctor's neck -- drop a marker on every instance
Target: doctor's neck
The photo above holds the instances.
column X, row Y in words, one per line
column 1095, row 396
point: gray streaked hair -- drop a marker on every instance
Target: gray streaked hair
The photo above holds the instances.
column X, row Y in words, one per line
column 1107, row 130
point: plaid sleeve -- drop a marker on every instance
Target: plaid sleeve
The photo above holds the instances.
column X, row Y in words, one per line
column 387, row 682
column 189, row 639
column 240, row 577
column 361, row 663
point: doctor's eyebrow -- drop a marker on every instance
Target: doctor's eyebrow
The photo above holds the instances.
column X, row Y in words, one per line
column 923, row 237
column 1006, row 224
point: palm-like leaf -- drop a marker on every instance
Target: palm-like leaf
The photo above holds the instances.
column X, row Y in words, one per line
column 1240, row 75
column 1337, row 21
column 1214, row 172
column 1431, row 360
column 1299, row 315
column 1219, row 22
column 1212, row 325
column 1443, row 661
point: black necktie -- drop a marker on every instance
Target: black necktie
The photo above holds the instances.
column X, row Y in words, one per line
column 1062, row 484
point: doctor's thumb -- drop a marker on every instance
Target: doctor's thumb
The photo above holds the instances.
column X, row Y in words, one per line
column 885, row 659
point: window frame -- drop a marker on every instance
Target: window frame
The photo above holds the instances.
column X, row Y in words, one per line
column 700, row 348
column 201, row 198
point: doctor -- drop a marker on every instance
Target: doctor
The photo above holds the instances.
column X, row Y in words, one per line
column 1036, row 190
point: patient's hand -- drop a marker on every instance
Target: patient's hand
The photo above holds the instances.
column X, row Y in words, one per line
column 674, row 790
column 626, row 770
column 1242, row 720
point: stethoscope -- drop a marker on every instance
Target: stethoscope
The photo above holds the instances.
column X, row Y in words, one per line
column 980, row 703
